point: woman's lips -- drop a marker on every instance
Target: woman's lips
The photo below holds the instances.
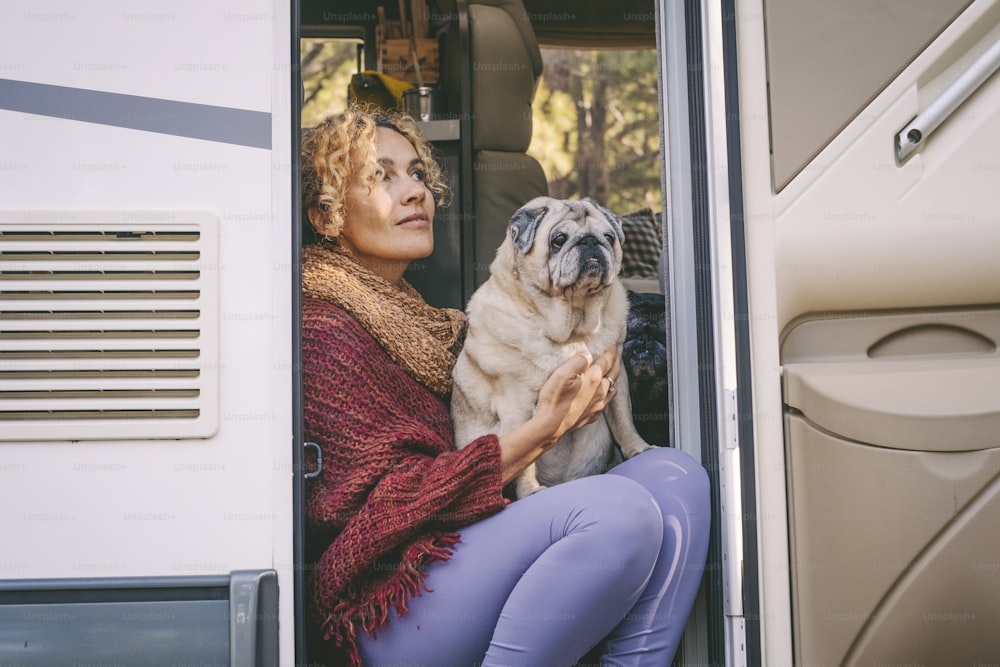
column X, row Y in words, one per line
column 415, row 220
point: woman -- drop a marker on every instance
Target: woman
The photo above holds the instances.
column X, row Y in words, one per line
column 415, row 555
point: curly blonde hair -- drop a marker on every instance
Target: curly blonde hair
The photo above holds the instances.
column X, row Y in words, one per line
column 342, row 147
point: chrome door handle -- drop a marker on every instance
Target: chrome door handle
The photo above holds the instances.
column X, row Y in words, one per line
column 913, row 136
column 319, row 461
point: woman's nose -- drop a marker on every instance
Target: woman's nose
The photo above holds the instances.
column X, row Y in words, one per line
column 414, row 192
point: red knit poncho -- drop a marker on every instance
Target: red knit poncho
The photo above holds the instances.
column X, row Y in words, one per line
column 393, row 489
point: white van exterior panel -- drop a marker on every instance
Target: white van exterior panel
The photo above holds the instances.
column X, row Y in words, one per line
column 215, row 53
column 204, row 506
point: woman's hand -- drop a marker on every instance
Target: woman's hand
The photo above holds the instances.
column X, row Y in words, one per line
column 573, row 396
column 577, row 392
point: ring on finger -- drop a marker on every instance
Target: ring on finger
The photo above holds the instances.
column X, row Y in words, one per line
column 611, row 384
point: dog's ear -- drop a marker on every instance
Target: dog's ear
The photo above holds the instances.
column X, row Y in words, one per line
column 523, row 224
column 616, row 223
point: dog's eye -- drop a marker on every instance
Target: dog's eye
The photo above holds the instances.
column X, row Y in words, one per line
column 610, row 237
column 558, row 241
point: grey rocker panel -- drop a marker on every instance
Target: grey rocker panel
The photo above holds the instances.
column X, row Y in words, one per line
column 141, row 622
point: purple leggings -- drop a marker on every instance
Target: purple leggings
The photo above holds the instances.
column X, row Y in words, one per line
column 617, row 556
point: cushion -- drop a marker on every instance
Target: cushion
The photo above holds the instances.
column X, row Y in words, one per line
column 643, row 244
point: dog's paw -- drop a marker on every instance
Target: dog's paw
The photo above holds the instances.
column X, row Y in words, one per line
column 635, row 449
column 525, row 490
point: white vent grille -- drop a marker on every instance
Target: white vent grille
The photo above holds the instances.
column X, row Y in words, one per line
column 108, row 325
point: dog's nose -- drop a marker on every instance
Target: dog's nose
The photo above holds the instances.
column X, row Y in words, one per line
column 589, row 241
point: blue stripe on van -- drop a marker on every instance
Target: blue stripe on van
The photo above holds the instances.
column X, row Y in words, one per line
column 184, row 119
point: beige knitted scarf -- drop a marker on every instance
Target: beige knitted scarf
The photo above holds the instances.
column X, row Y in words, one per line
column 422, row 339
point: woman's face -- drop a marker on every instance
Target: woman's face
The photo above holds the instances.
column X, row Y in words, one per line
column 390, row 225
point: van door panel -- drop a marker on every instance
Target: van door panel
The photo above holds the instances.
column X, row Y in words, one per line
column 808, row 65
column 890, row 548
column 874, row 289
column 892, row 426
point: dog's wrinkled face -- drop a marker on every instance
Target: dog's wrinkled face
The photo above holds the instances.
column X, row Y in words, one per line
column 566, row 245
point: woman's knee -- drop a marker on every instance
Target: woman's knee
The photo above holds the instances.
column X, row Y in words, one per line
column 683, row 462
column 624, row 512
column 667, row 466
column 690, row 471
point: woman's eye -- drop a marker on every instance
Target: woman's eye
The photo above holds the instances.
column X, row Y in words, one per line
column 418, row 175
column 558, row 241
column 381, row 175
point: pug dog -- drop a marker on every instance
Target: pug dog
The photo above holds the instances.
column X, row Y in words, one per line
column 553, row 291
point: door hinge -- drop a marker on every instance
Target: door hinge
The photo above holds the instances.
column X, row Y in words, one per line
column 731, row 430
